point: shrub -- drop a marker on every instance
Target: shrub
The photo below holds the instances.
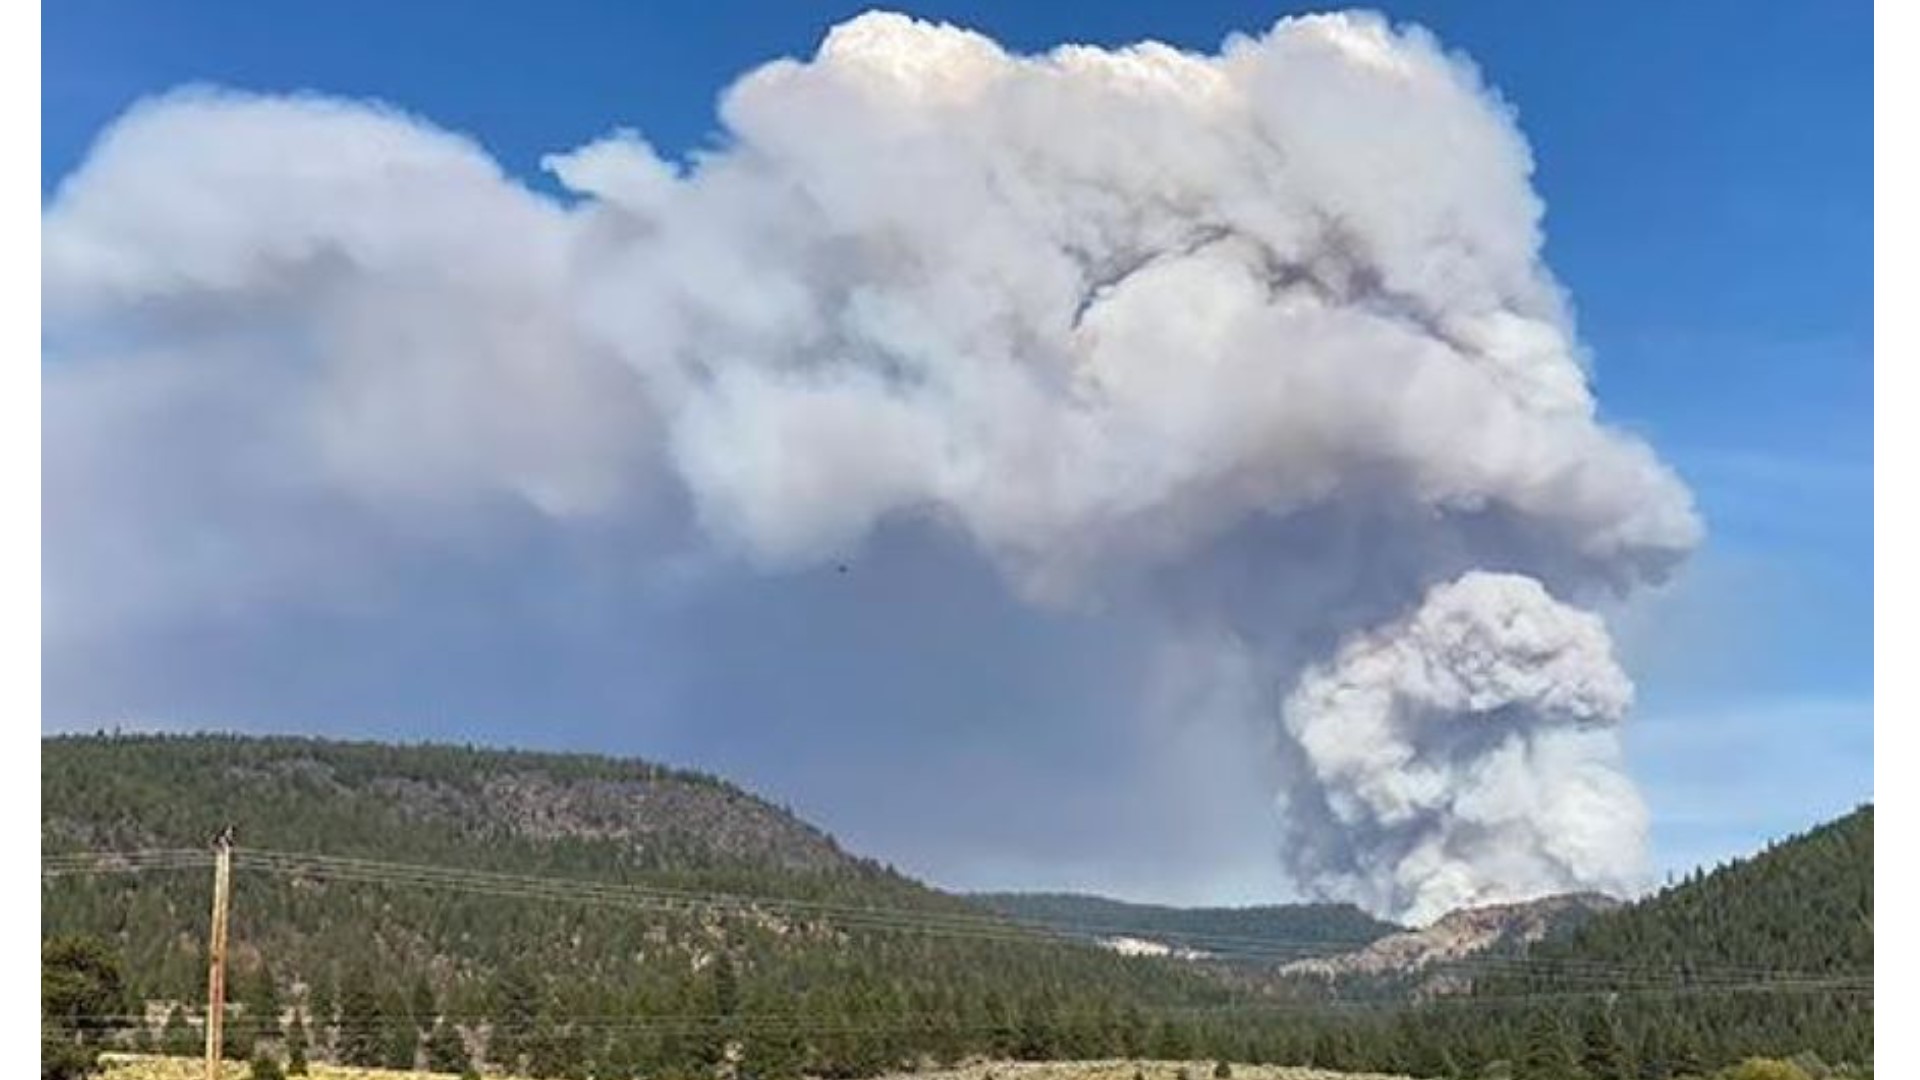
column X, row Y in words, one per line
column 1765, row 1069
column 1810, row 1063
column 82, row 997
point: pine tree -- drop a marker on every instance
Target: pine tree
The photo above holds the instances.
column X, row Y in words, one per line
column 1547, row 1055
column 1171, row 1041
column 557, row 1054
column 422, row 1005
column 726, row 986
column 297, row 1046
column 323, row 1000
column 1039, row 1034
column 1655, row 1062
column 361, row 1022
column 177, row 1037
column 723, row 998
column 82, row 999
column 1686, row 1056
column 237, row 1038
column 1604, row 1054
column 446, row 1051
column 516, row 1001
column 772, row 1055
column 262, row 1002
column 399, row 1038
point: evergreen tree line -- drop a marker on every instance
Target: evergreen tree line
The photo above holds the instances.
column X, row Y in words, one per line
column 721, row 1019
column 405, row 976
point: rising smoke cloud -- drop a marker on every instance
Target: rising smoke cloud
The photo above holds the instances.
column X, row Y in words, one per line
column 1256, row 346
column 1432, row 736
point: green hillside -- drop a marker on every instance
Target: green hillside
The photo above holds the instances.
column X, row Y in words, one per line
column 1803, row 905
column 1256, row 934
column 374, row 955
column 1770, row 956
column 576, row 916
column 1763, row 955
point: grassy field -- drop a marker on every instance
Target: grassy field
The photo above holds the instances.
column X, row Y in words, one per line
column 140, row 1067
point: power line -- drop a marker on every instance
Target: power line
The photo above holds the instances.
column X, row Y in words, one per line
column 785, row 1023
column 975, row 927
column 67, row 864
column 981, row 927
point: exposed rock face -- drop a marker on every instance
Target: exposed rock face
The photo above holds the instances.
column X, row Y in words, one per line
column 1460, row 935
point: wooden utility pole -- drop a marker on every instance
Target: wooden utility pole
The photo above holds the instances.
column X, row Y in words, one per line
column 217, row 949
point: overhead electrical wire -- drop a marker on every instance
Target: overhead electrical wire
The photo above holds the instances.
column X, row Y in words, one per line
column 981, row 927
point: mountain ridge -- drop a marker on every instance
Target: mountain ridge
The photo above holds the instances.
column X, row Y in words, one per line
column 501, row 906
column 1462, row 935
column 1246, row 933
column 427, row 779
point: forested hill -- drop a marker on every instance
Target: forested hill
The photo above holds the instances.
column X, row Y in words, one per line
column 553, row 817
column 1766, row 954
column 572, row 916
column 1804, row 905
column 1265, row 933
column 518, row 900
column 510, row 809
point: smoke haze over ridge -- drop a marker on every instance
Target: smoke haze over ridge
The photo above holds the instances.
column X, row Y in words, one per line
column 1251, row 353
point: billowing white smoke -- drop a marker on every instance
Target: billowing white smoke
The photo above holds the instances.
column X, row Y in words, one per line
column 1471, row 741
column 1257, row 343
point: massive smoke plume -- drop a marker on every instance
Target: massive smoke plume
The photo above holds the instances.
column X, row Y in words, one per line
column 1256, row 347
column 1432, row 735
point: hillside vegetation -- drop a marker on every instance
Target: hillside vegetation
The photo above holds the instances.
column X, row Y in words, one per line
column 536, row 965
column 569, row 916
column 1449, row 955
column 1257, row 934
column 144, row 1067
column 1805, row 904
column 1746, row 949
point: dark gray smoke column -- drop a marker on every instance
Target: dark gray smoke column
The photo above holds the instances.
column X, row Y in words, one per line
column 1259, row 343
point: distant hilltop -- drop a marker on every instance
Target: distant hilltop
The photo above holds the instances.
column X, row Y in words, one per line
column 1461, row 934
column 1263, row 934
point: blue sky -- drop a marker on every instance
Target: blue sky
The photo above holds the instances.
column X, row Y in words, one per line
column 1707, row 173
